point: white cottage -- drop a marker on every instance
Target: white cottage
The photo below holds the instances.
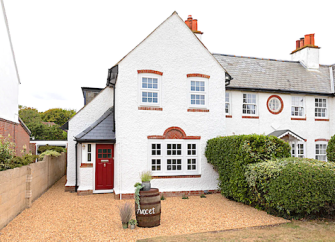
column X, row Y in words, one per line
column 162, row 102
column 167, row 97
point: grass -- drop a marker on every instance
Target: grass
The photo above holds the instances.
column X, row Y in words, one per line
column 315, row 230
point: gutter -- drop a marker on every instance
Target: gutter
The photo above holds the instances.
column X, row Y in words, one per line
column 111, row 81
column 331, row 79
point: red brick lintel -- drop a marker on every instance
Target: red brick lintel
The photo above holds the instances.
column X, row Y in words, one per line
column 229, row 116
column 150, row 108
column 322, row 119
column 163, row 137
column 198, row 110
column 304, row 119
column 150, row 71
column 321, row 140
column 84, row 165
column 252, row 117
column 181, row 176
column 198, row 75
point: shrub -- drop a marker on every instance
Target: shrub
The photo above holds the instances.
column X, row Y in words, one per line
column 331, row 149
column 126, row 211
column 44, row 148
column 146, row 176
column 229, row 156
column 49, row 152
column 7, row 151
column 293, row 187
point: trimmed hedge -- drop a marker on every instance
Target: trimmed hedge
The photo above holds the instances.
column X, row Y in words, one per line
column 331, row 149
column 293, row 187
column 229, row 155
column 44, row 148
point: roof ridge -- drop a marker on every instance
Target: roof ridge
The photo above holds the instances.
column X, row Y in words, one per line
column 257, row 58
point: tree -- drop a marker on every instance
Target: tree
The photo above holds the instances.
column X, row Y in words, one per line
column 57, row 115
column 29, row 115
column 331, row 149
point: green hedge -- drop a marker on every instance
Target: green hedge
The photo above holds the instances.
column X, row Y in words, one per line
column 58, row 149
column 331, row 149
column 293, row 187
column 229, row 155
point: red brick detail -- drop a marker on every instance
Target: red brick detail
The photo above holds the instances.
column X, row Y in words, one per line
column 229, row 116
column 17, row 133
column 86, row 192
column 181, row 176
column 150, row 108
column 281, row 102
column 173, row 133
column 322, row 119
column 169, row 194
column 298, row 119
column 327, row 140
column 198, row 110
column 84, row 165
column 150, row 71
column 252, row 117
column 198, row 75
column 70, row 188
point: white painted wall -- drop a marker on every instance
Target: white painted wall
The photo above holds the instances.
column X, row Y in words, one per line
column 308, row 56
column 267, row 122
column 84, row 118
column 9, row 78
column 174, row 50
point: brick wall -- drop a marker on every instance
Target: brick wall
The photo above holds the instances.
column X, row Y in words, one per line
column 18, row 134
column 21, row 186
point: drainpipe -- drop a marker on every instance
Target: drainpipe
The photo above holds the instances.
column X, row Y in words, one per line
column 331, row 79
column 76, row 186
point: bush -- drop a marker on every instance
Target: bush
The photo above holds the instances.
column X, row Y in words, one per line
column 331, row 149
column 44, row 148
column 7, row 151
column 293, row 187
column 49, row 152
column 230, row 155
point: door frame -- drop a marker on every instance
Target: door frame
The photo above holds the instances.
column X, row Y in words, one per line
column 94, row 170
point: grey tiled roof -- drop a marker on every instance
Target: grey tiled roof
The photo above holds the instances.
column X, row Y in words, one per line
column 279, row 133
column 250, row 72
column 102, row 129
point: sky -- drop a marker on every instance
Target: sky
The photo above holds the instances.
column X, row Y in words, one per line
column 63, row 45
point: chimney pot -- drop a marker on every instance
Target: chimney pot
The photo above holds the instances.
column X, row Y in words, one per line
column 297, row 44
column 301, row 42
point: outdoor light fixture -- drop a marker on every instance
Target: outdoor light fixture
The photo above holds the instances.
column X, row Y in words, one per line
column 83, row 147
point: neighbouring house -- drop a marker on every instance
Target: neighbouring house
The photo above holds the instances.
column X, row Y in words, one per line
column 10, row 123
column 169, row 95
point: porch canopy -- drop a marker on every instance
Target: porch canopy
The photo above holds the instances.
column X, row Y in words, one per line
column 287, row 135
column 101, row 131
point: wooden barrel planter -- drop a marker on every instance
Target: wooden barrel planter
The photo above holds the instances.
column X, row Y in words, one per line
column 149, row 214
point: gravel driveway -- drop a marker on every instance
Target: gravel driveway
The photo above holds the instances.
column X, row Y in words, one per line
column 63, row 216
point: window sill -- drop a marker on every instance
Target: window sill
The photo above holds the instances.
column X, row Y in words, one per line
column 252, row 117
column 229, row 116
column 304, row 119
column 150, row 108
column 198, row 110
column 180, row 176
column 86, row 165
column 322, row 119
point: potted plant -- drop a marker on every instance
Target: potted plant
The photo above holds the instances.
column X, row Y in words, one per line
column 138, row 186
column 132, row 223
column 125, row 214
column 146, row 178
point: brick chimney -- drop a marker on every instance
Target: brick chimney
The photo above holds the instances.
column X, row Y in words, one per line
column 306, row 52
column 193, row 25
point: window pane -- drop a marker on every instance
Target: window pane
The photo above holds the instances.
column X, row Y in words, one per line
column 99, row 150
column 99, row 155
column 89, row 157
column 89, row 148
column 104, row 150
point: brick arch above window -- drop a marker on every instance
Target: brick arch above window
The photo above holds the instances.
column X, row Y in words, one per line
column 150, row 71
column 326, row 140
column 173, row 133
column 198, row 75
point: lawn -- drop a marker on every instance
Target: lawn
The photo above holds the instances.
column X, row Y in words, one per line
column 315, row 230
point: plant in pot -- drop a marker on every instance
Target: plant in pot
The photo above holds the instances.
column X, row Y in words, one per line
column 146, row 178
column 126, row 211
column 132, row 223
column 138, row 186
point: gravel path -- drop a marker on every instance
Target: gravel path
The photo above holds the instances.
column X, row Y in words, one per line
column 63, row 216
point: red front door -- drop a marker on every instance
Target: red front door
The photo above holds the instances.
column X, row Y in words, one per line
column 104, row 172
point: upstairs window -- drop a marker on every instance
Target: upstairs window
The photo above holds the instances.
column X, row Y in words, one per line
column 320, row 108
column 227, row 103
column 249, row 104
column 149, row 88
column 297, row 107
column 198, row 90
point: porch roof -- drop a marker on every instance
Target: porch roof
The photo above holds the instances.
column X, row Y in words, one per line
column 282, row 133
column 101, row 130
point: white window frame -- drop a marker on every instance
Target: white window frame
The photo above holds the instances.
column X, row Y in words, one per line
column 205, row 93
column 326, row 108
column 229, row 103
column 256, row 104
column 320, row 143
column 303, row 106
column 158, row 90
column 295, row 150
column 184, row 157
